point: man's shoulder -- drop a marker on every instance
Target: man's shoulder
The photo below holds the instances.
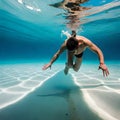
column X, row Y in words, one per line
column 81, row 37
column 85, row 40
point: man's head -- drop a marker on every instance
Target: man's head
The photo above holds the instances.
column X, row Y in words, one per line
column 72, row 43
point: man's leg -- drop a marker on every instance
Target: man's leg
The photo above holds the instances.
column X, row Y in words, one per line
column 77, row 64
column 69, row 64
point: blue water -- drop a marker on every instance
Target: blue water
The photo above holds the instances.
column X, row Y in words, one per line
column 28, row 34
column 31, row 32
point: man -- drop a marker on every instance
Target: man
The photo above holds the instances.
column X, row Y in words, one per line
column 75, row 46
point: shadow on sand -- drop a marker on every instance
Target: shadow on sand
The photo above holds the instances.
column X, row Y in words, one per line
column 59, row 98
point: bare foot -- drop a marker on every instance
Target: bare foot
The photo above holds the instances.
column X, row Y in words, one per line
column 66, row 69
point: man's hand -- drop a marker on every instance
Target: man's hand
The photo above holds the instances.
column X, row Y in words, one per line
column 104, row 68
column 46, row 66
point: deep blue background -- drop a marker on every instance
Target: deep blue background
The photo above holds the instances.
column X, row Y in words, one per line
column 29, row 35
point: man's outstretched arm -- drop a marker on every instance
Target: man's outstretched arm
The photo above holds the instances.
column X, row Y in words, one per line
column 97, row 50
column 55, row 57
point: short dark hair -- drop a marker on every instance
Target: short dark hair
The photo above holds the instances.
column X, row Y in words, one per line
column 72, row 43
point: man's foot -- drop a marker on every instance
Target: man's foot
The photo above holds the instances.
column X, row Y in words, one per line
column 66, row 69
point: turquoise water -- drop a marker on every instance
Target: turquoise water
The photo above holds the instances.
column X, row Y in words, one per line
column 27, row 92
column 30, row 33
column 28, row 29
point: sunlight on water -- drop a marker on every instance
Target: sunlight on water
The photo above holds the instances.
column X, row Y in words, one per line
column 32, row 6
column 32, row 31
column 98, row 90
column 17, row 81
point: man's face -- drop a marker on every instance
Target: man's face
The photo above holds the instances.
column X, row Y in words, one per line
column 74, row 49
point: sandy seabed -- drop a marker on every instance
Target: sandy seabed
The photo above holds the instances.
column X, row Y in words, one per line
column 28, row 93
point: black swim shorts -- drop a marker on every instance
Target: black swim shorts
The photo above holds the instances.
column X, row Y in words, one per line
column 79, row 55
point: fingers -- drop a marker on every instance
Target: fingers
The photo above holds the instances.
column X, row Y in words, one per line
column 46, row 67
column 105, row 70
column 105, row 73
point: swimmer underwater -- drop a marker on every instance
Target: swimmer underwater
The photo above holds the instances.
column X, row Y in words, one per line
column 75, row 46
